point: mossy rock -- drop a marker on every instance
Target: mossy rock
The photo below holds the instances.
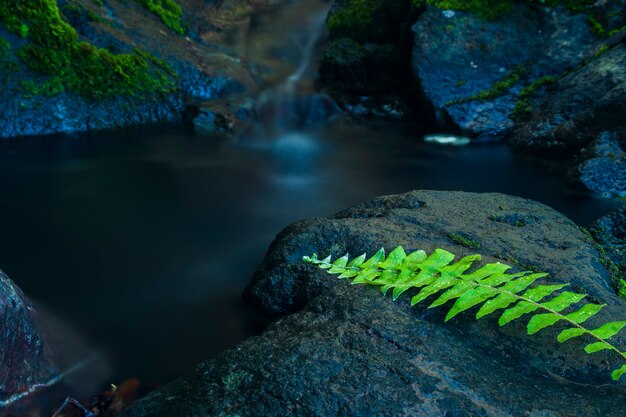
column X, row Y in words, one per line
column 368, row 20
column 359, row 68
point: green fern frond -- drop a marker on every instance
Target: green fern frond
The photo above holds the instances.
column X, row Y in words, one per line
column 489, row 287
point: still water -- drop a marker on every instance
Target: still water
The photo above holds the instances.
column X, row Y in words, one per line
column 143, row 240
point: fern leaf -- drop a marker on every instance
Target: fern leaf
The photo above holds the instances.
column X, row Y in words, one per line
column 374, row 260
column 568, row 334
column 617, row 374
column 469, row 299
column 500, row 302
column 394, row 259
column 357, row 262
column 455, row 292
column 608, row 330
column 563, row 300
column 520, row 284
column 339, row 265
column 490, row 288
column 414, row 259
column 517, row 311
column 541, row 321
column 542, row 291
column 584, row 313
column 597, row 347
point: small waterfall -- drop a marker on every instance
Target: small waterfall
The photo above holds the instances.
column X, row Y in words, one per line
column 292, row 104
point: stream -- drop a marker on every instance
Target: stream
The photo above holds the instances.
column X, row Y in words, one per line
column 142, row 240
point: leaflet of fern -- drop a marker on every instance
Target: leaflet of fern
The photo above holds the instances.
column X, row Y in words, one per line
column 490, row 288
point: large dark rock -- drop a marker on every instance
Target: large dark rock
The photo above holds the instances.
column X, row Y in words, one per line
column 23, row 361
column 346, row 350
column 458, row 56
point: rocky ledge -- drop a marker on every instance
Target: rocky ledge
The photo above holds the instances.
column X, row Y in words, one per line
column 337, row 349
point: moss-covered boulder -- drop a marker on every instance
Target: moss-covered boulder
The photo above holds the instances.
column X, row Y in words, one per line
column 68, row 66
column 369, row 45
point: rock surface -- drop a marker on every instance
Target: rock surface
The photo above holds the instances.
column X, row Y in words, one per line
column 580, row 106
column 22, row 356
column 458, row 55
column 345, row 350
column 610, row 233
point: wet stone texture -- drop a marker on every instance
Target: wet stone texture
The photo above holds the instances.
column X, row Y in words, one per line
column 337, row 349
column 458, row 55
column 22, row 357
column 610, row 233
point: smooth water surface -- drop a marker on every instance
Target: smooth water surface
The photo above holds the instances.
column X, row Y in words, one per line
column 143, row 240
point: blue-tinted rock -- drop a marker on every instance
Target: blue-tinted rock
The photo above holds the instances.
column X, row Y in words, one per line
column 23, row 361
column 457, row 55
column 580, row 107
column 605, row 172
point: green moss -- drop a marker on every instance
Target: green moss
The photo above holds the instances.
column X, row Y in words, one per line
column 464, row 241
column 492, row 9
column 498, row 88
column 170, row 13
column 5, row 48
column 485, row 9
column 355, row 20
column 55, row 50
column 619, row 280
column 523, row 105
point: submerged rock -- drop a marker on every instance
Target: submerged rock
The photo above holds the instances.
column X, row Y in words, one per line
column 23, row 361
column 347, row 350
column 471, row 70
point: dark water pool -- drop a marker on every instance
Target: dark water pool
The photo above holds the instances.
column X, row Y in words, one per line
column 143, row 240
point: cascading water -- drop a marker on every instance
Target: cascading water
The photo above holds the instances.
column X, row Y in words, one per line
column 293, row 104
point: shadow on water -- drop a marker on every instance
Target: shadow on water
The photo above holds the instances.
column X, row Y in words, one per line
column 144, row 239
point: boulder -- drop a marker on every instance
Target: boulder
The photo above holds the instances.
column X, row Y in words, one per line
column 471, row 70
column 24, row 364
column 338, row 349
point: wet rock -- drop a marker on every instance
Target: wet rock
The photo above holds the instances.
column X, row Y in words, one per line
column 22, row 357
column 581, row 106
column 605, row 172
column 471, row 70
column 610, row 233
column 347, row 350
column 368, row 53
column 359, row 68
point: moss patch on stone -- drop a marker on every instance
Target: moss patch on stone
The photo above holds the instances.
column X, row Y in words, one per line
column 169, row 11
column 464, row 241
column 497, row 89
column 55, row 50
column 492, row 9
column 523, row 105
